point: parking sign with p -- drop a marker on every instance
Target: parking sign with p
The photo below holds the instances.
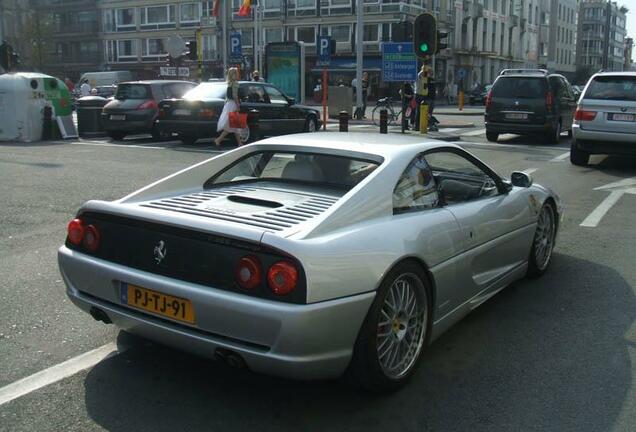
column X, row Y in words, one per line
column 235, row 46
column 324, row 50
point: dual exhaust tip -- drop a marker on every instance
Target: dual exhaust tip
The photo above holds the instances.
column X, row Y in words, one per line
column 224, row 355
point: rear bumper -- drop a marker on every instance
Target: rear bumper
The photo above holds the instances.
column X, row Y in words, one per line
column 131, row 124
column 519, row 128
column 605, row 147
column 199, row 129
column 604, row 139
column 313, row 341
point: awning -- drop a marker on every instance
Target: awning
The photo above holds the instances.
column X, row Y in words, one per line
column 348, row 64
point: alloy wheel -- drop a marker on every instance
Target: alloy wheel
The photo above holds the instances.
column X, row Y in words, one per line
column 544, row 238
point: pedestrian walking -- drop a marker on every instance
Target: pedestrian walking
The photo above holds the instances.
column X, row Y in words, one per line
column 409, row 106
column 232, row 104
column 256, row 76
column 365, row 93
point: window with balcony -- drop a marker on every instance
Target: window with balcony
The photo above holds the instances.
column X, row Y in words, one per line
column 125, row 20
column 341, row 33
column 153, row 49
column 108, row 21
column 209, row 47
column 247, row 38
column 121, row 51
column 272, row 8
column 157, row 17
column 371, row 33
column 190, row 14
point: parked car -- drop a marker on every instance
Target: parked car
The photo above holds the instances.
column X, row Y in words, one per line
column 309, row 255
column 605, row 120
column 196, row 114
column 107, row 91
column 479, row 96
column 527, row 102
column 135, row 107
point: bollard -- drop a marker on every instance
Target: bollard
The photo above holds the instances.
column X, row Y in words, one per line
column 47, row 128
column 343, row 117
column 460, row 100
column 423, row 118
column 253, row 119
column 383, row 121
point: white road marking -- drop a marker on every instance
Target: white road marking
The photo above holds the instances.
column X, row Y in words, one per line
column 595, row 217
column 100, row 144
column 530, row 170
column 56, row 373
column 474, row 133
column 560, row 157
column 449, row 129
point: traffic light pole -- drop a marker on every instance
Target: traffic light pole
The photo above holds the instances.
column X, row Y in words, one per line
column 359, row 57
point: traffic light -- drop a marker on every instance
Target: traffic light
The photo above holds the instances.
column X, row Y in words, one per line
column 441, row 43
column 192, row 50
column 425, row 35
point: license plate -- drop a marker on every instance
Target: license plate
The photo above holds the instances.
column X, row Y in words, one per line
column 118, row 117
column 181, row 112
column 623, row 117
column 517, row 116
column 175, row 308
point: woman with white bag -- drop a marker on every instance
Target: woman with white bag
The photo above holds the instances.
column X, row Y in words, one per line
column 232, row 104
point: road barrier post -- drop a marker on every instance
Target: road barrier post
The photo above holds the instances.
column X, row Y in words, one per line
column 47, row 128
column 423, row 118
column 343, row 117
column 383, row 121
column 253, row 119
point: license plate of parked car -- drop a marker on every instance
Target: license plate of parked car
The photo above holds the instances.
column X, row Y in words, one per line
column 517, row 116
column 176, row 308
column 181, row 112
column 622, row 117
column 118, row 117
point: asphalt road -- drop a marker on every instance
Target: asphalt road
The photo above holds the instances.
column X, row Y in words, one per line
column 553, row 354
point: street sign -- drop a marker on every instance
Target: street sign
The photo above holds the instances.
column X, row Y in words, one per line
column 171, row 71
column 461, row 73
column 236, row 54
column 176, row 46
column 398, row 62
column 323, row 50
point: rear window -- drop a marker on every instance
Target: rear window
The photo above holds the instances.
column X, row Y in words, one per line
column 519, row 87
column 321, row 169
column 612, row 88
column 207, row 91
column 133, row 91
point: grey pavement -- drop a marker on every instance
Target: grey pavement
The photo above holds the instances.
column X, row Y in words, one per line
column 551, row 354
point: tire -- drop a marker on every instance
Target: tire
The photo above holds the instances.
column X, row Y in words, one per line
column 578, row 157
column 159, row 135
column 543, row 242
column 311, row 125
column 554, row 135
column 373, row 365
column 375, row 115
column 117, row 136
column 570, row 133
column 492, row 136
column 188, row 139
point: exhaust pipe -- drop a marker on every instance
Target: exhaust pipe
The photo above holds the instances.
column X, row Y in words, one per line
column 230, row 358
column 100, row 315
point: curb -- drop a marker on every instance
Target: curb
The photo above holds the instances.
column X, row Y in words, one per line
column 458, row 113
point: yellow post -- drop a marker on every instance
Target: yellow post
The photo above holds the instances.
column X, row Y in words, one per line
column 460, row 100
column 423, row 118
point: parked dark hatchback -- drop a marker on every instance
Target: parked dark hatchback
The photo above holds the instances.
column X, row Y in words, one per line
column 528, row 102
column 135, row 106
column 197, row 113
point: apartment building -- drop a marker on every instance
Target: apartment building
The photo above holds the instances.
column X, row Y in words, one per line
column 557, row 37
column 601, row 36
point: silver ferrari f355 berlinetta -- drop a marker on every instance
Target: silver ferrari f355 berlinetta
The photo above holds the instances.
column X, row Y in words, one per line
column 308, row 256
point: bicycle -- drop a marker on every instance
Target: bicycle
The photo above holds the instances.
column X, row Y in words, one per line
column 392, row 117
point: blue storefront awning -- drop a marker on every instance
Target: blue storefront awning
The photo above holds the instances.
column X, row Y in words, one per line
column 348, row 64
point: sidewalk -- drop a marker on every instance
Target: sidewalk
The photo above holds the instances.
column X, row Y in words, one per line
column 440, row 109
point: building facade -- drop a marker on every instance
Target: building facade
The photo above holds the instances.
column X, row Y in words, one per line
column 557, row 37
column 14, row 21
column 601, row 36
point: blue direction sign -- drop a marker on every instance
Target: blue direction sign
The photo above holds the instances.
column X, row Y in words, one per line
column 398, row 62
column 236, row 54
column 323, row 51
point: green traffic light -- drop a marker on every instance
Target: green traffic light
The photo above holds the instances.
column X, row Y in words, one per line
column 424, row 47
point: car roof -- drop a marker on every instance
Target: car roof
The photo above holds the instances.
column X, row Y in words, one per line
column 386, row 146
column 631, row 74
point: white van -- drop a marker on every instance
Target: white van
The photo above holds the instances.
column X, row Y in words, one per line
column 98, row 79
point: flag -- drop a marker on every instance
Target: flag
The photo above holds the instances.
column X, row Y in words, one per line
column 215, row 8
column 245, row 8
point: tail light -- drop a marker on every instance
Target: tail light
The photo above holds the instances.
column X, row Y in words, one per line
column 248, row 272
column 488, row 102
column 206, row 113
column 91, row 238
column 282, row 277
column 581, row 115
column 150, row 104
column 549, row 101
column 75, row 231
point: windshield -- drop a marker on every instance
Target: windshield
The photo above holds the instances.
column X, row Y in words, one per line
column 207, row 91
column 133, row 91
column 519, row 87
column 330, row 170
column 612, row 88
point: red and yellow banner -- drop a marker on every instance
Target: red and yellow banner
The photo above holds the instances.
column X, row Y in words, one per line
column 245, row 8
column 215, row 8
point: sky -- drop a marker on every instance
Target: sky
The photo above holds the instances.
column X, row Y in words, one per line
column 631, row 16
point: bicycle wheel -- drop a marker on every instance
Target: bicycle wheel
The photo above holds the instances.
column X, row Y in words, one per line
column 375, row 115
column 393, row 118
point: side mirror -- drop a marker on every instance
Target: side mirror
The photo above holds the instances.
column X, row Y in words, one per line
column 291, row 100
column 521, row 179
